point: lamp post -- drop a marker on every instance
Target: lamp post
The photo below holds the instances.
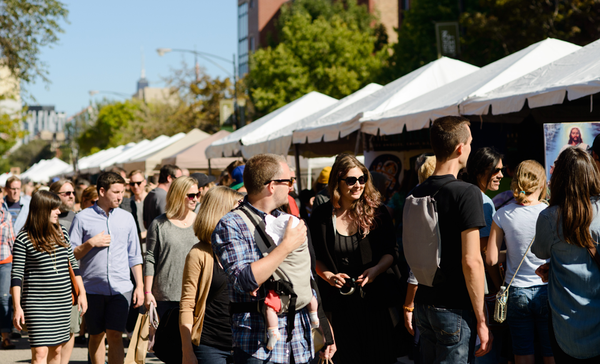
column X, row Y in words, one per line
column 162, row 51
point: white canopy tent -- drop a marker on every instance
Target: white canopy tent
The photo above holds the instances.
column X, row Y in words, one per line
column 44, row 169
column 156, row 145
column 234, row 144
column 445, row 100
column 280, row 141
column 346, row 120
column 575, row 76
column 136, row 149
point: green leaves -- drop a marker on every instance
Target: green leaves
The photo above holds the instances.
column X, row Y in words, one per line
column 322, row 47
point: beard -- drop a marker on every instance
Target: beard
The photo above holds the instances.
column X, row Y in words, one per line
column 65, row 208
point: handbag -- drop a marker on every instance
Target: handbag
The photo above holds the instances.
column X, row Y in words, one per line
column 167, row 345
column 500, row 309
column 74, row 285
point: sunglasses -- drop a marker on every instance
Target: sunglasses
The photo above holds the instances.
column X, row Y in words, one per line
column 67, row 193
column 139, row 183
column 496, row 170
column 191, row 196
column 351, row 181
column 290, row 181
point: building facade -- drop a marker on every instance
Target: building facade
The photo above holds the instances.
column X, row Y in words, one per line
column 43, row 122
column 256, row 23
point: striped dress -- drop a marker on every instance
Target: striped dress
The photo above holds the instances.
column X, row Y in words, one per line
column 46, row 290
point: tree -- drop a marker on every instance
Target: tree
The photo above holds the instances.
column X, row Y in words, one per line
column 330, row 50
column 29, row 154
column 25, row 27
column 491, row 29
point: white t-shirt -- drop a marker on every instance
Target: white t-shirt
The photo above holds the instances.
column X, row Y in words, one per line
column 518, row 223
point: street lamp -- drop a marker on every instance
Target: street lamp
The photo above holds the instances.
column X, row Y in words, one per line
column 162, row 51
column 94, row 92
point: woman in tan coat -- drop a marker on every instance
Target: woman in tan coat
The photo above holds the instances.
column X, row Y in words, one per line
column 204, row 301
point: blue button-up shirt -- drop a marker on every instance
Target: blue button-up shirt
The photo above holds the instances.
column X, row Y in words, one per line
column 573, row 284
column 105, row 271
column 236, row 249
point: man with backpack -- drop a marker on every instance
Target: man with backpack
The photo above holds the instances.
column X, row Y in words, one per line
column 442, row 217
column 239, row 243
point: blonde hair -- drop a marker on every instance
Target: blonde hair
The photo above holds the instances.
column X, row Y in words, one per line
column 528, row 178
column 217, row 202
column 427, row 168
column 177, row 197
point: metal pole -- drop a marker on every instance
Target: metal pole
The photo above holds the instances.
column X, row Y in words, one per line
column 236, row 120
column 209, row 169
column 298, row 170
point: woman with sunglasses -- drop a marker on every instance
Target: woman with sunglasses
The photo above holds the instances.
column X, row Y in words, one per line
column 169, row 239
column 354, row 242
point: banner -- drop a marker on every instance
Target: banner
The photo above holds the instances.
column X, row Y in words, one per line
column 559, row 136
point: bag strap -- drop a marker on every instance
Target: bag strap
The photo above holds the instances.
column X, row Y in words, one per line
column 594, row 254
column 522, row 259
column 442, row 186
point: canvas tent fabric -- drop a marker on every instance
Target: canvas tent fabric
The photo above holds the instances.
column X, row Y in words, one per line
column 42, row 171
column 445, row 100
column 194, row 157
column 573, row 76
column 151, row 162
column 234, row 144
column 347, row 120
column 280, row 141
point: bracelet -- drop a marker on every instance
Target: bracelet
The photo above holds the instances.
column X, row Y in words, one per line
column 146, row 292
column 409, row 309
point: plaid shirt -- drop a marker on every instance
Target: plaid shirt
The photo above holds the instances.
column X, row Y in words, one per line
column 236, row 249
column 7, row 235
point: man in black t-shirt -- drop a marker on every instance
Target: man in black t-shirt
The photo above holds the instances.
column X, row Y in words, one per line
column 451, row 314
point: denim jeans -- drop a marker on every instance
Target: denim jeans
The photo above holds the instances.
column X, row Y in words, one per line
column 211, row 355
column 527, row 314
column 5, row 304
column 447, row 335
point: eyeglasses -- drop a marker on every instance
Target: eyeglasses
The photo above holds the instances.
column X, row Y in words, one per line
column 290, row 181
column 496, row 170
column 191, row 196
column 67, row 193
column 135, row 183
column 351, row 181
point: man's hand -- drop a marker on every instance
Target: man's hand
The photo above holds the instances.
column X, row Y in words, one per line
column 99, row 241
column 486, row 338
column 543, row 271
column 138, row 296
column 294, row 237
column 408, row 322
column 328, row 352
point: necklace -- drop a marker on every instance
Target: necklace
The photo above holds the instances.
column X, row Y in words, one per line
column 53, row 256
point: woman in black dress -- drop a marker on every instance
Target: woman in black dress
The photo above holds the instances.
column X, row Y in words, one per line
column 41, row 285
column 354, row 242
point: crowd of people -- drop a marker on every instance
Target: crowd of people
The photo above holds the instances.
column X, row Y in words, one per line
column 256, row 271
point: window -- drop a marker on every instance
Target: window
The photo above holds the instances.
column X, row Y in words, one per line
column 243, row 38
column 252, row 45
column 251, row 4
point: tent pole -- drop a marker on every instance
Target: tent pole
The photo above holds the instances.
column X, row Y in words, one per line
column 209, row 169
column 357, row 143
column 298, row 171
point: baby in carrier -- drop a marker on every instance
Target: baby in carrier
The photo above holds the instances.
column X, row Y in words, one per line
column 294, row 268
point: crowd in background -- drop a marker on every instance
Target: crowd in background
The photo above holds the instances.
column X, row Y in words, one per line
column 191, row 246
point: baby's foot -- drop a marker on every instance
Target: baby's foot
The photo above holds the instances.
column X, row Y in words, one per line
column 314, row 319
column 273, row 335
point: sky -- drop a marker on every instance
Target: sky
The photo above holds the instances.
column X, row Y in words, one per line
column 101, row 47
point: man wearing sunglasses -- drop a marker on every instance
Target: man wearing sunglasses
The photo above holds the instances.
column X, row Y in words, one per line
column 65, row 189
column 135, row 204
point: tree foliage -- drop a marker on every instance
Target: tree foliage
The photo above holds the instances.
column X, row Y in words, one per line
column 29, row 154
column 322, row 47
column 491, row 29
column 26, row 26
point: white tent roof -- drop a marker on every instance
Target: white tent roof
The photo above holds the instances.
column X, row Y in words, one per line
column 345, row 121
column 280, row 118
column 92, row 165
column 444, row 100
column 576, row 75
column 154, row 146
column 136, row 149
column 4, row 177
column 280, row 141
column 41, row 171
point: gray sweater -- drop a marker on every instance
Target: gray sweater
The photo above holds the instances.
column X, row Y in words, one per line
column 167, row 248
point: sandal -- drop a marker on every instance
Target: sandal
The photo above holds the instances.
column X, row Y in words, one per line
column 6, row 344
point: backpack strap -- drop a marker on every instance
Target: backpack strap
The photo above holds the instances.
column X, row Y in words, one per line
column 280, row 286
column 442, row 186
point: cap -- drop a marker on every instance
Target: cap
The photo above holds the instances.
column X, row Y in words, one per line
column 324, row 176
column 202, row 179
column 238, row 177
